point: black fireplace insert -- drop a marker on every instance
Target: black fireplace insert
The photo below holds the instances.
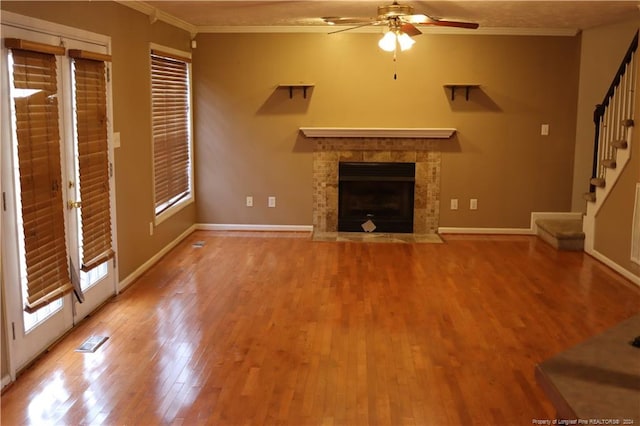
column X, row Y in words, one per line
column 379, row 194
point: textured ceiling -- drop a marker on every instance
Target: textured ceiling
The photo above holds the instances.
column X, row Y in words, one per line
column 558, row 14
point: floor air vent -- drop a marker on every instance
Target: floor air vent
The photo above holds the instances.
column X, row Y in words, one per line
column 92, row 344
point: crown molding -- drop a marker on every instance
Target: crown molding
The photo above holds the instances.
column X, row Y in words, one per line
column 155, row 14
column 557, row 32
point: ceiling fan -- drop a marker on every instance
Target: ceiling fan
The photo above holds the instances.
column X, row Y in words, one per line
column 401, row 22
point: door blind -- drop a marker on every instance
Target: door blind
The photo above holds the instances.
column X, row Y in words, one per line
column 38, row 144
column 171, row 129
column 93, row 160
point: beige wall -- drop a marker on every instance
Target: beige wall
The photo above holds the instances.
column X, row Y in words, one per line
column 131, row 33
column 4, row 362
column 247, row 130
column 614, row 221
column 602, row 51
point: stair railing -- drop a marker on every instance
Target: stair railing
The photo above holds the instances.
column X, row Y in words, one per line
column 613, row 115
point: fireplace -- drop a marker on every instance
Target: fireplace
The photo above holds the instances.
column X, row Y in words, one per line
column 330, row 152
column 376, row 195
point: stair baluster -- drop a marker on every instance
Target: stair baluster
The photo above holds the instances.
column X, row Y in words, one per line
column 611, row 119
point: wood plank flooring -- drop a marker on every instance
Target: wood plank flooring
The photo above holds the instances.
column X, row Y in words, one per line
column 259, row 328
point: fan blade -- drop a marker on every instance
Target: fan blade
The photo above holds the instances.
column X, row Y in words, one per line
column 355, row 27
column 428, row 20
column 336, row 20
column 416, row 19
column 410, row 29
column 455, row 24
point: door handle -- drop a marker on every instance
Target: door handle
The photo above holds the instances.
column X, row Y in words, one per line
column 74, row 204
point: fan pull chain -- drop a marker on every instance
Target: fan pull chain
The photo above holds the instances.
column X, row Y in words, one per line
column 395, row 66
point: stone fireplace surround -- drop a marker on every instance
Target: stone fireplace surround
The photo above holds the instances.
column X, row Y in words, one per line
column 329, row 151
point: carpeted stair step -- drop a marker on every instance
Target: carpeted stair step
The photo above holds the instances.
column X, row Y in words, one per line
column 609, row 163
column 563, row 234
column 599, row 182
column 589, row 196
column 621, row 144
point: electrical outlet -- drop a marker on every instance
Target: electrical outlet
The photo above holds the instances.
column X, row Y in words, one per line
column 249, row 201
column 473, row 204
column 150, row 228
column 454, row 204
column 272, row 201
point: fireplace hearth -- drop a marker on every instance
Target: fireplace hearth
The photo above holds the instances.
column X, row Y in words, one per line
column 376, row 195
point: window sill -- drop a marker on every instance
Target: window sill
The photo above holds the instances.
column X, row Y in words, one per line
column 167, row 214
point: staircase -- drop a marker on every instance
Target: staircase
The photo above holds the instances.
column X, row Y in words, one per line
column 563, row 234
column 614, row 123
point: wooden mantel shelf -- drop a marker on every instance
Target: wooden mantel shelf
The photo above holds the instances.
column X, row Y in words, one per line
column 377, row 132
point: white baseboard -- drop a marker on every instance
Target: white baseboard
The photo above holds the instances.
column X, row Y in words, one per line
column 532, row 230
column 149, row 263
column 245, row 227
column 613, row 265
column 488, row 231
column 6, row 380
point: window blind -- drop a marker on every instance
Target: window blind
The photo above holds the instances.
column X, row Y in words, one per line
column 38, row 146
column 171, row 129
column 93, row 159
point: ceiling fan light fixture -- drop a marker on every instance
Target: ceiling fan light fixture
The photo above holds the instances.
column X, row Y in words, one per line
column 405, row 41
column 390, row 38
column 388, row 42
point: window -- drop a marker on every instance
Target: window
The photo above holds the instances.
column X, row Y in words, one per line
column 171, row 127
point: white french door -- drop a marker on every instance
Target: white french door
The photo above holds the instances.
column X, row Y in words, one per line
column 30, row 333
column 99, row 283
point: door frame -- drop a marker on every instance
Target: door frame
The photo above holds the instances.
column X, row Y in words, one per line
column 63, row 32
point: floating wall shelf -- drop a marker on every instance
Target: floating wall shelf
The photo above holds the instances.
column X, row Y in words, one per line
column 291, row 86
column 373, row 132
column 467, row 87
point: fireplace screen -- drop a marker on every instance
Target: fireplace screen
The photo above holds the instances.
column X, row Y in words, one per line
column 376, row 195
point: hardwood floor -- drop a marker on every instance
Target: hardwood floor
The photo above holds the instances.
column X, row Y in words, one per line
column 258, row 328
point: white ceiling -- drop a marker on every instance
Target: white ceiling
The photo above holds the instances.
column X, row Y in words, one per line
column 216, row 15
